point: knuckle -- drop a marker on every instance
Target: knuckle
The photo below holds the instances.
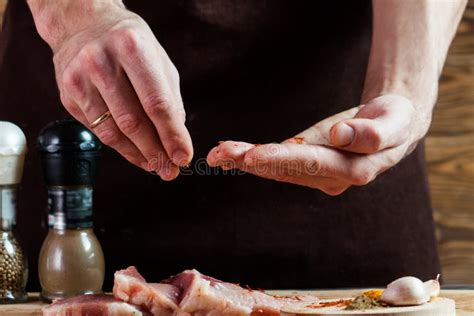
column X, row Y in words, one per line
column 127, row 39
column 373, row 138
column 109, row 137
column 128, row 123
column 157, row 104
column 362, row 175
column 92, row 59
column 71, row 80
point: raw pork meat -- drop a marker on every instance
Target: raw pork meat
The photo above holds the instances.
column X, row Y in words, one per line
column 97, row 305
column 159, row 298
column 192, row 293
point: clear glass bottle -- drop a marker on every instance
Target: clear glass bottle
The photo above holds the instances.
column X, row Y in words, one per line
column 71, row 260
column 13, row 263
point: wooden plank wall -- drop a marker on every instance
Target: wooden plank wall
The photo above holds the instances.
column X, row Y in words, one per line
column 450, row 155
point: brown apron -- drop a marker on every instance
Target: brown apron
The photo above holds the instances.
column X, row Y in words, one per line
column 258, row 71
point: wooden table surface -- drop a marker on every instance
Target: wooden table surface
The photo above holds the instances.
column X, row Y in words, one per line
column 464, row 300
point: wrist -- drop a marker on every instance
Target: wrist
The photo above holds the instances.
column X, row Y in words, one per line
column 420, row 87
column 57, row 20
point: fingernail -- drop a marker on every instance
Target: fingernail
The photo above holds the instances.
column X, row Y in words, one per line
column 153, row 164
column 161, row 172
column 343, row 135
column 166, row 172
column 180, row 158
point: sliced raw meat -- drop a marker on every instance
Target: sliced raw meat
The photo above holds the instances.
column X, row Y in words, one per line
column 97, row 305
column 192, row 293
column 159, row 298
column 203, row 295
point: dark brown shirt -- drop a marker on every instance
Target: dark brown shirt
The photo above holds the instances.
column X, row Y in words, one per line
column 258, row 71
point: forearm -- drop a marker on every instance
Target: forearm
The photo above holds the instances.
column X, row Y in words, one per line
column 56, row 20
column 409, row 45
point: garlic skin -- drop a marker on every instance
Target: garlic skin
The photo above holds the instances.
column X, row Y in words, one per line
column 405, row 291
column 432, row 287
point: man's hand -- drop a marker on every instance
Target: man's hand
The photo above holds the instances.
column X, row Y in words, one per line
column 410, row 40
column 350, row 148
column 107, row 59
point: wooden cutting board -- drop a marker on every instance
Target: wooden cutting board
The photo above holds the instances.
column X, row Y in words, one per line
column 437, row 307
column 464, row 301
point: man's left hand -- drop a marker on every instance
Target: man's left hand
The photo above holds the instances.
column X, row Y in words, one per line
column 349, row 148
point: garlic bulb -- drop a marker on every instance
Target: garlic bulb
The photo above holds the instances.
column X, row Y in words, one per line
column 432, row 287
column 405, row 291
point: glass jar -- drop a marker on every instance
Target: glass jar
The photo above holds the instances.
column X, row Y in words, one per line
column 13, row 269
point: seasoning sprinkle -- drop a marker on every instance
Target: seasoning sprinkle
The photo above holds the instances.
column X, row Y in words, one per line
column 336, row 303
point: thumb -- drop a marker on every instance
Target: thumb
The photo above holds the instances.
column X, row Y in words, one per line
column 382, row 123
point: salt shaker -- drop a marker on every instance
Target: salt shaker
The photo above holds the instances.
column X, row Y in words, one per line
column 13, row 264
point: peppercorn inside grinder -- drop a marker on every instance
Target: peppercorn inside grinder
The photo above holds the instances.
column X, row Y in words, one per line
column 13, row 265
column 71, row 260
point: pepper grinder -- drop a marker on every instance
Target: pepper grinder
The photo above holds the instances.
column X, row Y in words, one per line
column 13, row 264
column 71, row 261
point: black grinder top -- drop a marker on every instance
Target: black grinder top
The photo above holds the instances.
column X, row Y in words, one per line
column 69, row 153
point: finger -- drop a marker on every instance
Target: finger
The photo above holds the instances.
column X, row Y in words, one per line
column 329, row 186
column 83, row 101
column 231, row 154
column 129, row 116
column 310, row 159
column 318, row 134
column 322, row 161
column 380, row 124
column 162, row 105
column 107, row 132
column 228, row 154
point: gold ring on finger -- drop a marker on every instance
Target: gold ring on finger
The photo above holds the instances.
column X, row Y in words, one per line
column 101, row 119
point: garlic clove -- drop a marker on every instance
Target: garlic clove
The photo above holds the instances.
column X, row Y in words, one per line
column 432, row 287
column 405, row 291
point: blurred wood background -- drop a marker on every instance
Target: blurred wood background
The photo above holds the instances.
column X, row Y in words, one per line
column 450, row 155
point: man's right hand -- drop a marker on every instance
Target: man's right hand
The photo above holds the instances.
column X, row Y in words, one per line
column 106, row 58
